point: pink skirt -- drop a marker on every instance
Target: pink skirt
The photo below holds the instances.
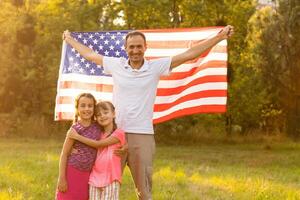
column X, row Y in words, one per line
column 78, row 187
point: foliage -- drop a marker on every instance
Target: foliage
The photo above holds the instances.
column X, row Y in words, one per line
column 278, row 62
column 263, row 72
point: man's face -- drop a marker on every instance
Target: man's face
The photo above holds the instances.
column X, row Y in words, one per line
column 135, row 48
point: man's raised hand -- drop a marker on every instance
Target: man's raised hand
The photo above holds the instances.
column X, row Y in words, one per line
column 226, row 32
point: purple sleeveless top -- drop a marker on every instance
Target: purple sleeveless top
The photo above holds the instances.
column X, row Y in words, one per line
column 85, row 156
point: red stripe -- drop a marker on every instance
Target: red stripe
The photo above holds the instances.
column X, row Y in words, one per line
column 194, row 70
column 189, row 97
column 86, row 86
column 192, row 110
column 64, row 100
column 177, row 90
column 172, row 30
column 64, row 116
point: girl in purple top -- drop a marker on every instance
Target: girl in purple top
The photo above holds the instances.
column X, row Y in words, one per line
column 77, row 159
column 105, row 178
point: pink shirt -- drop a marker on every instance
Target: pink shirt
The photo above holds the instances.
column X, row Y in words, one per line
column 107, row 166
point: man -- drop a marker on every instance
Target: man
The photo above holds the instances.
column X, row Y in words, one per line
column 135, row 83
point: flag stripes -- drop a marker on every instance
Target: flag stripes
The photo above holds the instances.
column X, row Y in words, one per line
column 197, row 86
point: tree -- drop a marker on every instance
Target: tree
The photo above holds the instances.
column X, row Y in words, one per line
column 281, row 62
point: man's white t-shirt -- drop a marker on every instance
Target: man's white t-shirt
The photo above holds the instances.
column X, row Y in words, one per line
column 134, row 91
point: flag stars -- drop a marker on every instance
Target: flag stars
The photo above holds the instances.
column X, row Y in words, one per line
column 113, row 37
column 107, row 44
column 87, row 65
column 111, row 47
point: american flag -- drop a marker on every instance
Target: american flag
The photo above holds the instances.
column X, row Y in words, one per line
column 197, row 86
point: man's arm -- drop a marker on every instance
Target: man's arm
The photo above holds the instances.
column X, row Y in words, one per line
column 83, row 50
column 197, row 50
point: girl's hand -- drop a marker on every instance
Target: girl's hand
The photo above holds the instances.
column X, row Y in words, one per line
column 62, row 185
column 72, row 134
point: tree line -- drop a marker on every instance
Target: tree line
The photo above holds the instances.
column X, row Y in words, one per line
column 264, row 61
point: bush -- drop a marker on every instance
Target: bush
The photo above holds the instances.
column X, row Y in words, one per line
column 36, row 126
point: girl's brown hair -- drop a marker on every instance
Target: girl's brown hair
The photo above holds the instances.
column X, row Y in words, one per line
column 106, row 105
column 88, row 95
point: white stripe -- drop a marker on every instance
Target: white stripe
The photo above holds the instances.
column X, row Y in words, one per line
column 192, row 103
column 63, row 53
column 87, row 79
column 191, row 90
column 171, row 52
column 179, row 36
column 216, row 56
column 199, row 74
column 164, row 52
column 75, row 92
column 65, row 108
column 222, row 43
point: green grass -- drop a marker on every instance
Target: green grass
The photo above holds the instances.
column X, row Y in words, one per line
column 28, row 170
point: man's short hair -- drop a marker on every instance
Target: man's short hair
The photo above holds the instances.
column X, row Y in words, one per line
column 135, row 33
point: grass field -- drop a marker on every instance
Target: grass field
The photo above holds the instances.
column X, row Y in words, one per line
column 29, row 168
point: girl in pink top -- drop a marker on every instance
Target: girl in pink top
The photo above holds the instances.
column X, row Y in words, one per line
column 105, row 177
